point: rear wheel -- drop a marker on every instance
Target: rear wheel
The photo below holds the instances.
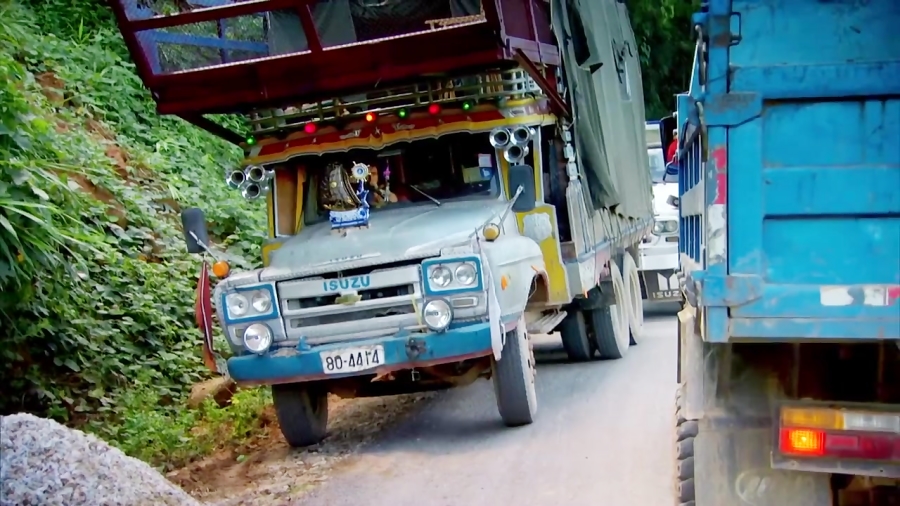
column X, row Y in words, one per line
column 513, row 377
column 610, row 324
column 302, row 411
column 574, row 332
column 632, row 282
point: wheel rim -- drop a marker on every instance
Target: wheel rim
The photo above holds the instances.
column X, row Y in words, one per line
column 619, row 312
column 636, row 319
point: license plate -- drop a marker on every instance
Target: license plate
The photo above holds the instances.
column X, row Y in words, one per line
column 352, row 359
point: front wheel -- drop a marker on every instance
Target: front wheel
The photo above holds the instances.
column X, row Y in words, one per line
column 513, row 377
column 302, row 411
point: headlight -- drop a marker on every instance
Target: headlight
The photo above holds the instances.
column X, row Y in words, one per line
column 441, row 276
column 664, row 227
column 257, row 338
column 250, row 303
column 262, row 301
column 466, row 274
column 437, row 314
column 236, row 304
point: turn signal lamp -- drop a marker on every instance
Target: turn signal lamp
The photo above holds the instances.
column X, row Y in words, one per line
column 310, row 128
column 221, row 269
column 491, row 232
column 434, row 109
column 825, row 432
column 370, row 116
column 803, row 441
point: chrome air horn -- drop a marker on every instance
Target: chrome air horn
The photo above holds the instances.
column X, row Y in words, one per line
column 235, row 179
column 255, row 174
column 252, row 191
column 499, row 138
column 521, row 135
column 516, row 153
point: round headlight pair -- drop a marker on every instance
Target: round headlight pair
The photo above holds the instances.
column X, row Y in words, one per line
column 465, row 274
column 437, row 314
column 257, row 338
column 239, row 305
column 668, row 226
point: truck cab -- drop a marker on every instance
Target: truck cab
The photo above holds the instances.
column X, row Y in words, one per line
column 433, row 198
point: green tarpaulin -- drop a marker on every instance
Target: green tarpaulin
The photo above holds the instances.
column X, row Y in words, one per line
column 603, row 74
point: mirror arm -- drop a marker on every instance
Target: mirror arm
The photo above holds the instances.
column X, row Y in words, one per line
column 206, row 249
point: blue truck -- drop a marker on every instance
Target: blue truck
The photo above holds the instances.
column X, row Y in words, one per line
column 788, row 168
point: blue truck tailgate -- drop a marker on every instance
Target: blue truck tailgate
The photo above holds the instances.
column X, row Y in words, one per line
column 790, row 170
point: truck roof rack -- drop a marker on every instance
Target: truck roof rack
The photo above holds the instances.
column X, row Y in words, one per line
column 235, row 56
column 465, row 91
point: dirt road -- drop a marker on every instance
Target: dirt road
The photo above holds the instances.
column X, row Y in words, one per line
column 603, row 436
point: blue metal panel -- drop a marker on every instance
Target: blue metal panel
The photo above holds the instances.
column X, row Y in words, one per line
column 305, row 365
column 159, row 36
column 800, row 106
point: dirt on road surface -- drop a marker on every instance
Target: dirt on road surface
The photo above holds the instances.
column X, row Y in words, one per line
column 603, row 435
column 268, row 472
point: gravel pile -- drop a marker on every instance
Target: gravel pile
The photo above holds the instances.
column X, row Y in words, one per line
column 45, row 463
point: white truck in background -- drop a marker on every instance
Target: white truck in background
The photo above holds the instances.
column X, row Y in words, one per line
column 658, row 251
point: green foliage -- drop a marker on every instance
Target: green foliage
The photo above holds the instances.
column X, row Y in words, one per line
column 666, row 43
column 96, row 288
column 171, row 438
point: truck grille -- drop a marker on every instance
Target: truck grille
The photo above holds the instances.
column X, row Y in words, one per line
column 313, row 310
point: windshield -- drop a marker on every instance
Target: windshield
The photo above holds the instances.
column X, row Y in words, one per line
column 657, row 164
column 424, row 172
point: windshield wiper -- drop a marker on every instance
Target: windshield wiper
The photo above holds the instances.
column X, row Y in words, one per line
column 429, row 197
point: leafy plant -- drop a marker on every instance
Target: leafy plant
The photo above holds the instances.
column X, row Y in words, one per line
column 96, row 289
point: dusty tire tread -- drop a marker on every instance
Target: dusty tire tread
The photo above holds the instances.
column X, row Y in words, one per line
column 574, row 333
column 302, row 412
column 604, row 334
column 685, row 432
column 511, row 392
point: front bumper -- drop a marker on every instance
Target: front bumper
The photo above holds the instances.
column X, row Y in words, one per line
column 401, row 351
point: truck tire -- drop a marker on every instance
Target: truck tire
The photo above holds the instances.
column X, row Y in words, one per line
column 302, row 411
column 513, row 377
column 574, row 332
column 610, row 324
column 632, row 279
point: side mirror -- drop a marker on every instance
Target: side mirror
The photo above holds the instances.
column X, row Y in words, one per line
column 522, row 175
column 671, row 175
column 196, row 237
column 672, row 200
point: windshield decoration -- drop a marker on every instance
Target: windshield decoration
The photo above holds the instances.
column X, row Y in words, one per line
column 347, row 206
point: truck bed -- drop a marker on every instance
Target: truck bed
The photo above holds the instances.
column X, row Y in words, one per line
column 232, row 56
column 790, row 171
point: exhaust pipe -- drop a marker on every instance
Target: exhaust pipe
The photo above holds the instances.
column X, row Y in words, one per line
column 255, row 174
column 252, row 191
column 516, row 153
column 500, row 138
column 521, row 135
column 235, row 179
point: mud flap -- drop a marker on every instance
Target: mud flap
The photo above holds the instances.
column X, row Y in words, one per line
column 724, row 446
column 732, row 466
